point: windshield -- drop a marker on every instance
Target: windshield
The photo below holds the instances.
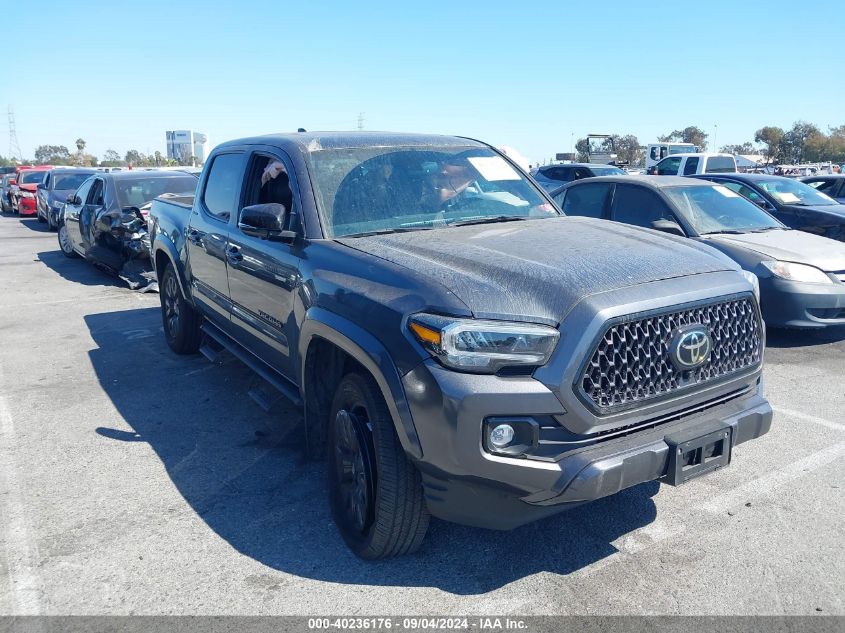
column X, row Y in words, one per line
column 31, row 177
column 607, row 171
column 361, row 190
column 69, row 181
column 715, row 209
column 136, row 192
column 788, row 191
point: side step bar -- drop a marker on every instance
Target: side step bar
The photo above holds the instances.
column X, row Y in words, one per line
column 259, row 367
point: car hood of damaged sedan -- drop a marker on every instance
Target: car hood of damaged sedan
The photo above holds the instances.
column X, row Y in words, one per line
column 540, row 269
column 790, row 246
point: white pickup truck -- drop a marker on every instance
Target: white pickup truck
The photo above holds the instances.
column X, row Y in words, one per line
column 694, row 163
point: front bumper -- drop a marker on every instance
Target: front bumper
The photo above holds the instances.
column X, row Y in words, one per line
column 465, row 484
column 801, row 305
column 26, row 206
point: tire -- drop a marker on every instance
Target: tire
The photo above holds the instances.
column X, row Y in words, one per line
column 51, row 226
column 64, row 242
column 181, row 322
column 375, row 492
column 39, row 217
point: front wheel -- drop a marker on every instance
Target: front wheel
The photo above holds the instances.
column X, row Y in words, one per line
column 64, row 242
column 375, row 492
column 182, row 324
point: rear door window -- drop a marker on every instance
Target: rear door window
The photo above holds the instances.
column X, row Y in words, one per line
column 585, row 200
column 223, row 185
column 720, row 165
column 669, row 166
column 638, row 206
column 691, row 165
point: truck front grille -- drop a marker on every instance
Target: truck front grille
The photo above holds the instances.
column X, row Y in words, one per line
column 630, row 364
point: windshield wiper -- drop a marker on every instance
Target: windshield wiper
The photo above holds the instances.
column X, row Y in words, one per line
column 397, row 229
column 726, row 231
column 763, row 229
column 488, row 220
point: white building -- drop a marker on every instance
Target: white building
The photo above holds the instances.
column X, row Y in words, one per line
column 182, row 144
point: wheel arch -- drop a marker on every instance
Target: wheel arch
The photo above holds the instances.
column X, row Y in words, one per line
column 325, row 333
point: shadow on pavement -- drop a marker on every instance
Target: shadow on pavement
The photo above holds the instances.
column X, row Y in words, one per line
column 32, row 223
column 77, row 270
column 243, row 471
column 781, row 338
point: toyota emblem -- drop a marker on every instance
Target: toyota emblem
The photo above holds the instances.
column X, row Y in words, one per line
column 691, row 347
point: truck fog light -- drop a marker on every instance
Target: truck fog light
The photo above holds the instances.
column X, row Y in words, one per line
column 510, row 436
column 501, row 436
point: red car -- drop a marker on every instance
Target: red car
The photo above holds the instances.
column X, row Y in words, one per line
column 23, row 199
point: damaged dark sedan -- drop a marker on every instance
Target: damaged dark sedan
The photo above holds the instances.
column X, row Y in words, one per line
column 105, row 220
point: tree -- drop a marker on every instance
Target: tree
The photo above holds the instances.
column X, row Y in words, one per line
column 690, row 134
column 582, row 150
column 628, row 149
column 111, row 156
column 798, row 140
column 771, row 137
column 135, row 158
column 80, row 145
column 52, row 155
column 158, row 158
column 745, row 148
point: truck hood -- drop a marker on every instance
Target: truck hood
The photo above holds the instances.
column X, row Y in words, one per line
column 28, row 187
column 790, row 246
column 540, row 269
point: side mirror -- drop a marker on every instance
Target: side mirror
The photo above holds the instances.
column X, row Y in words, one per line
column 72, row 199
column 40, row 185
column 265, row 221
column 668, row 226
column 652, row 171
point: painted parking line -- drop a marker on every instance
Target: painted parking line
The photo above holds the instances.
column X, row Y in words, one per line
column 20, row 551
column 837, row 426
column 775, row 479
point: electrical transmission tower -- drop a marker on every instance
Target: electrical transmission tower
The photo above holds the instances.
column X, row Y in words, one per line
column 360, row 120
column 14, row 147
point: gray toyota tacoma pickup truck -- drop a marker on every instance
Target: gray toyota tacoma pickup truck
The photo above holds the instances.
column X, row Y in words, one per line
column 459, row 347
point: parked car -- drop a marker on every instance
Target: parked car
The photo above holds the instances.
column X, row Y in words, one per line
column 53, row 192
column 104, row 221
column 801, row 276
column 461, row 349
column 832, row 185
column 553, row 176
column 688, row 164
column 794, row 203
column 23, row 195
column 6, row 184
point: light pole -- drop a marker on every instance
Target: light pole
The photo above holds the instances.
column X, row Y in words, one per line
column 715, row 133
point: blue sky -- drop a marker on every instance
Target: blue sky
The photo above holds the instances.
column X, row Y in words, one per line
column 527, row 75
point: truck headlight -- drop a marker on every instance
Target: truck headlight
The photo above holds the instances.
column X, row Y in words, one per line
column 797, row 272
column 484, row 346
column 755, row 283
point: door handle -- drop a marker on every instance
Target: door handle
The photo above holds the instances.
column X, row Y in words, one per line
column 193, row 236
column 233, row 255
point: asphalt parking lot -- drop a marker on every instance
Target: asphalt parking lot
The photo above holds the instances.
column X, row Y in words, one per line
column 133, row 481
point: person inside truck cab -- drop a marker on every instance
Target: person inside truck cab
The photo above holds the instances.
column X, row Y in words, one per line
column 275, row 185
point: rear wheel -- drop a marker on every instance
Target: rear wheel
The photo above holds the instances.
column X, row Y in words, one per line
column 64, row 242
column 181, row 322
column 375, row 492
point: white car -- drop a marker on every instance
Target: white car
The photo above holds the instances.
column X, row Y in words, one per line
column 697, row 163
